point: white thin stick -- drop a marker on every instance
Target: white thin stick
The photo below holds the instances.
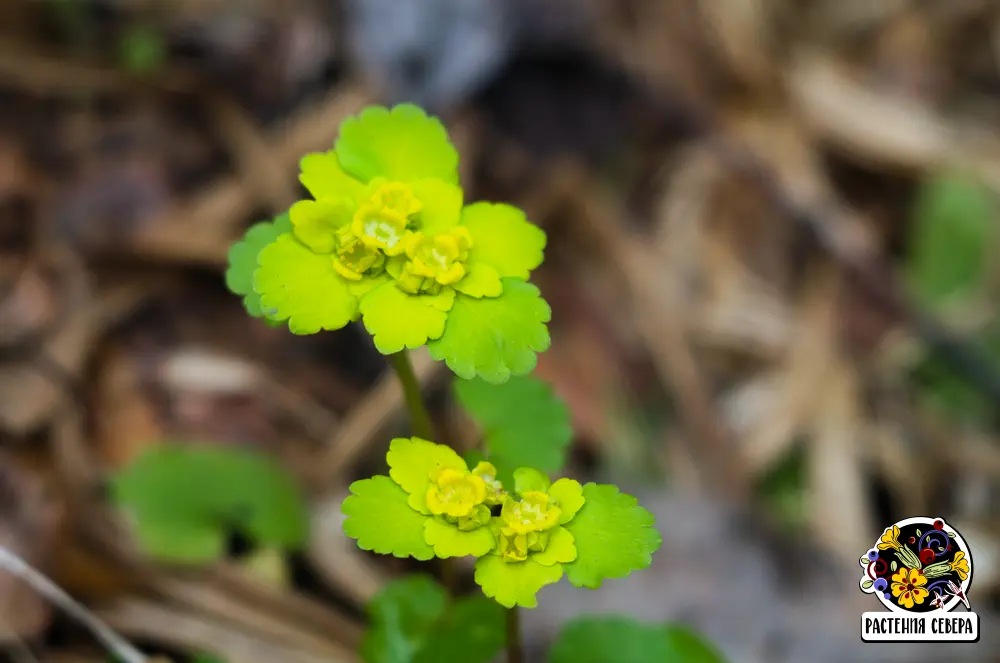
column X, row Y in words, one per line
column 41, row 584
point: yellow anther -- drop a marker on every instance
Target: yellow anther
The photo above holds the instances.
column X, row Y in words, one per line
column 455, row 493
column 353, row 257
column 534, row 512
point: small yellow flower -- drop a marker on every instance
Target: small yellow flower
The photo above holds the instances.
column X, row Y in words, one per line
column 890, row 539
column 960, row 565
column 908, row 587
column 434, row 261
column 455, row 493
column 515, row 547
column 354, row 258
column 534, row 512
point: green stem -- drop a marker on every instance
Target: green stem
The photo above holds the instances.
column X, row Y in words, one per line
column 514, row 650
column 420, row 420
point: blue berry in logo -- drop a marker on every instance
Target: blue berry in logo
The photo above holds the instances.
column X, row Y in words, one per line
column 872, row 554
column 888, row 596
column 881, row 585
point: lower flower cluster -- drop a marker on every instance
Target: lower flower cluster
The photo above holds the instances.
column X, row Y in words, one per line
column 433, row 505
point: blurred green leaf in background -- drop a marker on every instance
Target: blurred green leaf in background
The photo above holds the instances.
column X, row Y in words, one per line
column 186, row 500
column 954, row 229
column 625, row 640
column 413, row 621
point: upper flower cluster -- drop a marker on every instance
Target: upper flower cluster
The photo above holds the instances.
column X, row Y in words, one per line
column 387, row 238
column 432, row 504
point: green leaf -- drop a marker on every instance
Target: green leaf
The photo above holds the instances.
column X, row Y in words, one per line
column 497, row 337
column 380, row 519
column 537, row 437
column 243, row 260
column 185, row 500
column 503, row 238
column 449, row 541
column 625, row 640
column 316, row 223
column 412, row 621
column 867, row 584
column 322, row 175
column 303, row 288
column 481, row 281
column 398, row 320
column 517, row 583
column 614, row 536
column 953, row 228
column 402, row 615
column 402, row 144
column 472, row 631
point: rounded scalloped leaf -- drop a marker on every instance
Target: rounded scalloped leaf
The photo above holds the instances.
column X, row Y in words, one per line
column 449, row 541
column 481, row 281
column 242, row 259
column 411, row 461
column 511, row 584
column 537, row 437
column 380, row 519
column 625, row 640
column 402, row 615
column 397, row 320
column 303, row 288
column 503, row 238
column 177, row 519
column 322, row 175
column 472, row 631
column 614, row 536
column 495, row 338
column 412, row 620
column 402, row 144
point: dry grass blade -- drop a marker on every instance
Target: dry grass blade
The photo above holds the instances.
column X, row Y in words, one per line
column 114, row 642
column 197, row 632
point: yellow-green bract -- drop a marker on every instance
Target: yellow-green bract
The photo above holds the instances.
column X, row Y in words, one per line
column 433, row 505
column 387, row 239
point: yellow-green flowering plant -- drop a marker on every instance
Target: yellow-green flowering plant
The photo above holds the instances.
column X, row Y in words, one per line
column 525, row 536
column 387, row 239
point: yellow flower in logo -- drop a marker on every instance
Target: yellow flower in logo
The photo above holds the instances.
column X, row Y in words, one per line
column 890, row 539
column 960, row 565
column 908, row 587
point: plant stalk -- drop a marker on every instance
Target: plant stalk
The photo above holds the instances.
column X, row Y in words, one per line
column 515, row 654
column 420, row 419
column 420, row 423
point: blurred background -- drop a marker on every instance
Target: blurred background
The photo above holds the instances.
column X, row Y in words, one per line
column 771, row 262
